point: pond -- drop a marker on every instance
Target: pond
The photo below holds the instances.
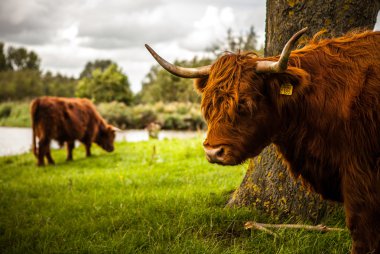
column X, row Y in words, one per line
column 19, row 140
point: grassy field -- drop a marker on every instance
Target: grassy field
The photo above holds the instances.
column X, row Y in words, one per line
column 146, row 197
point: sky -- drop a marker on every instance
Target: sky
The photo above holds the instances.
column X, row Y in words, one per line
column 67, row 34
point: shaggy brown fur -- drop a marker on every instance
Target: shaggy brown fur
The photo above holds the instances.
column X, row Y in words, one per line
column 327, row 130
column 67, row 120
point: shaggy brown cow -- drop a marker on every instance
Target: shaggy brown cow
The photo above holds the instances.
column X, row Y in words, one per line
column 319, row 105
column 67, row 120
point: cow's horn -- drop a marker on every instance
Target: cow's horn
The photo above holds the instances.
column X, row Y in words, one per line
column 180, row 71
column 282, row 64
column 115, row 128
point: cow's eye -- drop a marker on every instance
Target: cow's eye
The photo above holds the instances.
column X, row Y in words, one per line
column 246, row 107
column 242, row 109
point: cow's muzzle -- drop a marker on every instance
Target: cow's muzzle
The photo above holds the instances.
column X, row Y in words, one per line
column 215, row 155
column 109, row 149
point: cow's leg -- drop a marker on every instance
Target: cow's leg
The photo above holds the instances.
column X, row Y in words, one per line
column 365, row 231
column 87, row 141
column 88, row 149
column 70, row 146
column 43, row 149
column 48, row 156
column 40, row 155
column 362, row 207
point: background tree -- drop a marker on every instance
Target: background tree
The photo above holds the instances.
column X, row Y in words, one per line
column 244, row 41
column 21, row 59
column 19, row 74
column 105, row 86
column 21, row 78
column 101, row 64
column 159, row 85
column 3, row 60
column 58, row 85
column 27, row 84
column 267, row 184
column 18, row 85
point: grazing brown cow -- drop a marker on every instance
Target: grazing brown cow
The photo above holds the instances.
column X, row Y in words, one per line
column 319, row 105
column 67, row 120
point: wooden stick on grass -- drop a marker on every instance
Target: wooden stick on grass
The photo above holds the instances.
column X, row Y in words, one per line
column 264, row 227
column 257, row 226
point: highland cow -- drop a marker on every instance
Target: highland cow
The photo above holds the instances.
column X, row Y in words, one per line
column 67, row 120
column 320, row 105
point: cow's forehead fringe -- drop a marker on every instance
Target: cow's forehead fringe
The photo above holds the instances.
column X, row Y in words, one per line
column 221, row 94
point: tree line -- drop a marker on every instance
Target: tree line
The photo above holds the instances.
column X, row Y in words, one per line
column 102, row 80
column 21, row 76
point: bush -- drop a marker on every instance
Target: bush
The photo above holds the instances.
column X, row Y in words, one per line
column 115, row 113
column 15, row 114
column 171, row 116
column 5, row 110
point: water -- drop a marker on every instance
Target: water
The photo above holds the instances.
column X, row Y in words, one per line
column 19, row 140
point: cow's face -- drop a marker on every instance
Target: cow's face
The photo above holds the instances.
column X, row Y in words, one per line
column 106, row 137
column 236, row 103
column 239, row 115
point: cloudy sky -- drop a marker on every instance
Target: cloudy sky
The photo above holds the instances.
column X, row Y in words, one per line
column 66, row 34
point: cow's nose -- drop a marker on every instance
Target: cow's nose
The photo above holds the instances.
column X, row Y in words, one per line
column 214, row 155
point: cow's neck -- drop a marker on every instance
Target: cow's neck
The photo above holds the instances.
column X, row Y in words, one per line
column 304, row 140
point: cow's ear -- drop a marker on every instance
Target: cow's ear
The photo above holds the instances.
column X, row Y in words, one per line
column 200, row 84
column 291, row 83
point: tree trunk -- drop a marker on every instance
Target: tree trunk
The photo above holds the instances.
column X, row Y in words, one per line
column 284, row 18
column 267, row 184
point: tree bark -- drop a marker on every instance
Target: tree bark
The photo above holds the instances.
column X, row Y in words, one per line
column 267, row 184
column 337, row 17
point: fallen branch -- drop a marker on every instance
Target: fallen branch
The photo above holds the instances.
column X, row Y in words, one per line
column 264, row 226
column 259, row 227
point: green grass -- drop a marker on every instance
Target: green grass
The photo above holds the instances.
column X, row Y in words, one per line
column 146, row 197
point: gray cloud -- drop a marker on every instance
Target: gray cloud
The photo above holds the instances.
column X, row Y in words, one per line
column 125, row 28
column 171, row 20
column 106, row 24
column 68, row 33
column 34, row 22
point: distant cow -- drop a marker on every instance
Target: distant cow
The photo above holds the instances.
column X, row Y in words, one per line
column 319, row 105
column 67, row 120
